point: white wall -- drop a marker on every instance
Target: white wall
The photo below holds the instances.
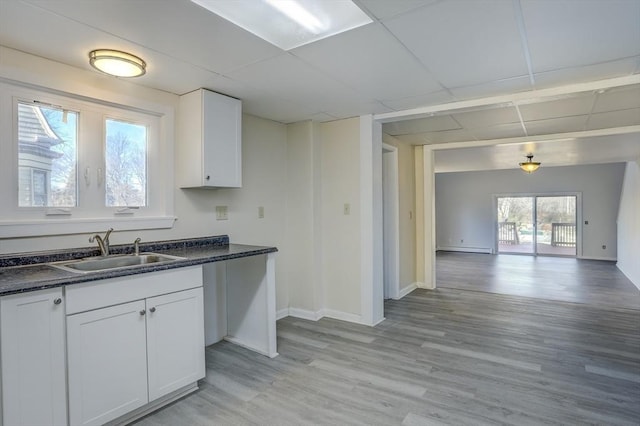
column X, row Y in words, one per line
column 264, row 170
column 341, row 232
column 629, row 224
column 299, row 233
column 302, row 174
column 407, row 207
column 464, row 203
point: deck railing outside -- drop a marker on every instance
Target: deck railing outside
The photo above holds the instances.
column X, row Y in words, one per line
column 563, row 234
column 507, row 233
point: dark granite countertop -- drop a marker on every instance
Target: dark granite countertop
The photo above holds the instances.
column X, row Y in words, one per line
column 23, row 272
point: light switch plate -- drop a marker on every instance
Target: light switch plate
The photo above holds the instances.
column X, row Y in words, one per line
column 347, row 209
column 260, row 212
column 222, row 213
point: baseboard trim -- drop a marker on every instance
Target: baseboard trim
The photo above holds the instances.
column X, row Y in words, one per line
column 282, row 313
column 408, row 289
column 608, row 259
column 322, row 313
column 343, row 316
column 235, row 341
column 485, row 250
column 637, row 284
column 305, row 314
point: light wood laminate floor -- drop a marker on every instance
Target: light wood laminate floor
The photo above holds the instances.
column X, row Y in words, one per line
column 443, row 357
column 593, row 282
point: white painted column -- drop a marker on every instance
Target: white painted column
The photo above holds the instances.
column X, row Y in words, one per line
column 429, row 215
column 371, row 257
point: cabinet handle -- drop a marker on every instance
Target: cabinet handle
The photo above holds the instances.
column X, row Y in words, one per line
column 152, row 310
column 57, row 301
column 142, row 312
column 208, row 177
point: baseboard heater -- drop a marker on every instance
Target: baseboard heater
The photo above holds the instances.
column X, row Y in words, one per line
column 485, row 250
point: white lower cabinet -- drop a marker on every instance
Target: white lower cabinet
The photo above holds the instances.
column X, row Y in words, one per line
column 123, row 356
column 34, row 390
column 175, row 341
column 107, row 363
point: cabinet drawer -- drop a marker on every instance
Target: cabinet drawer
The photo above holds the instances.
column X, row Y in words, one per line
column 113, row 291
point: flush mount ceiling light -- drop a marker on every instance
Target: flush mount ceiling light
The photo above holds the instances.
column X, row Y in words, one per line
column 529, row 166
column 289, row 23
column 117, row 63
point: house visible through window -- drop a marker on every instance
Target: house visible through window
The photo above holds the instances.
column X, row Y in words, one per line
column 46, row 156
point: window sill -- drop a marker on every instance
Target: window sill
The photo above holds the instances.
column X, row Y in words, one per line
column 58, row 226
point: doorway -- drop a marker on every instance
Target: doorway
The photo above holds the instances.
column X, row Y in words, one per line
column 537, row 225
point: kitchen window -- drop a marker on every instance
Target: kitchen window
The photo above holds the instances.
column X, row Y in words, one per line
column 75, row 165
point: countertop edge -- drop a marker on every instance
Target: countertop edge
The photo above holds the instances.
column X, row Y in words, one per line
column 235, row 251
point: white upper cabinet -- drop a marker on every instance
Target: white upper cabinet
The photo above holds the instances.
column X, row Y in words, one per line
column 209, row 145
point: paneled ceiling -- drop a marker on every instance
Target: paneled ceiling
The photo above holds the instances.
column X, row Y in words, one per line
column 416, row 53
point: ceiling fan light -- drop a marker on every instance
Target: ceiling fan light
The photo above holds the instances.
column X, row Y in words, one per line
column 529, row 166
column 117, row 63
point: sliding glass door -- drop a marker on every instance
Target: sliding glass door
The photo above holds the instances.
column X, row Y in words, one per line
column 537, row 225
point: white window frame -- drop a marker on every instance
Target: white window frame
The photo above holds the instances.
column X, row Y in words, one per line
column 91, row 214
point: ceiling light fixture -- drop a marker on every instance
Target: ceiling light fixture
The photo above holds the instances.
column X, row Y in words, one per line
column 299, row 14
column 529, row 166
column 117, row 63
column 289, row 23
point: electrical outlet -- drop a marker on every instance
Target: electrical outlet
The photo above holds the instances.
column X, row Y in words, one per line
column 347, row 209
column 260, row 212
column 222, row 213
column 586, row 222
column 461, row 241
column 604, row 247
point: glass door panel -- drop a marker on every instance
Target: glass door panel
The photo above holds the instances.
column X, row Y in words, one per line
column 556, row 223
column 516, row 225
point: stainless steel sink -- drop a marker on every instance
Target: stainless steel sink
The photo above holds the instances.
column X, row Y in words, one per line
column 96, row 264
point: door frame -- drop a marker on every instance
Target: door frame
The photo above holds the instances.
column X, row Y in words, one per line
column 391, row 222
column 578, row 196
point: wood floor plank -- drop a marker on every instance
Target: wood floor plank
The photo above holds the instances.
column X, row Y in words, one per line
column 449, row 356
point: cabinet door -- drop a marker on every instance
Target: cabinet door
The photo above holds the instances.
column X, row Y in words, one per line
column 107, row 363
column 33, row 364
column 175, row 339
column 222, row 140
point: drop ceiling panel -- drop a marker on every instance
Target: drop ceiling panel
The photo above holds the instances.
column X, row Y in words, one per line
column 435, row 98
column 618, row 99
column 421, row 125
column 384, row 8
column 567, row 33
column 412, row 139
column 370, row 60
column 487, row 117
column 571, row 75
column 513, row 130
column 597, row 150
column 178, row 28
column 494, row 88
column 606, row 120
column 39, row 40
column 448, row 136
column 287, row 77
column 577, row 105
column 464, row 43
column 556, row 125
column 349, row 109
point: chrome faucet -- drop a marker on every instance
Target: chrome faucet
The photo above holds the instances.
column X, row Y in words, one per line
column 136, row 246
column 103, row 242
